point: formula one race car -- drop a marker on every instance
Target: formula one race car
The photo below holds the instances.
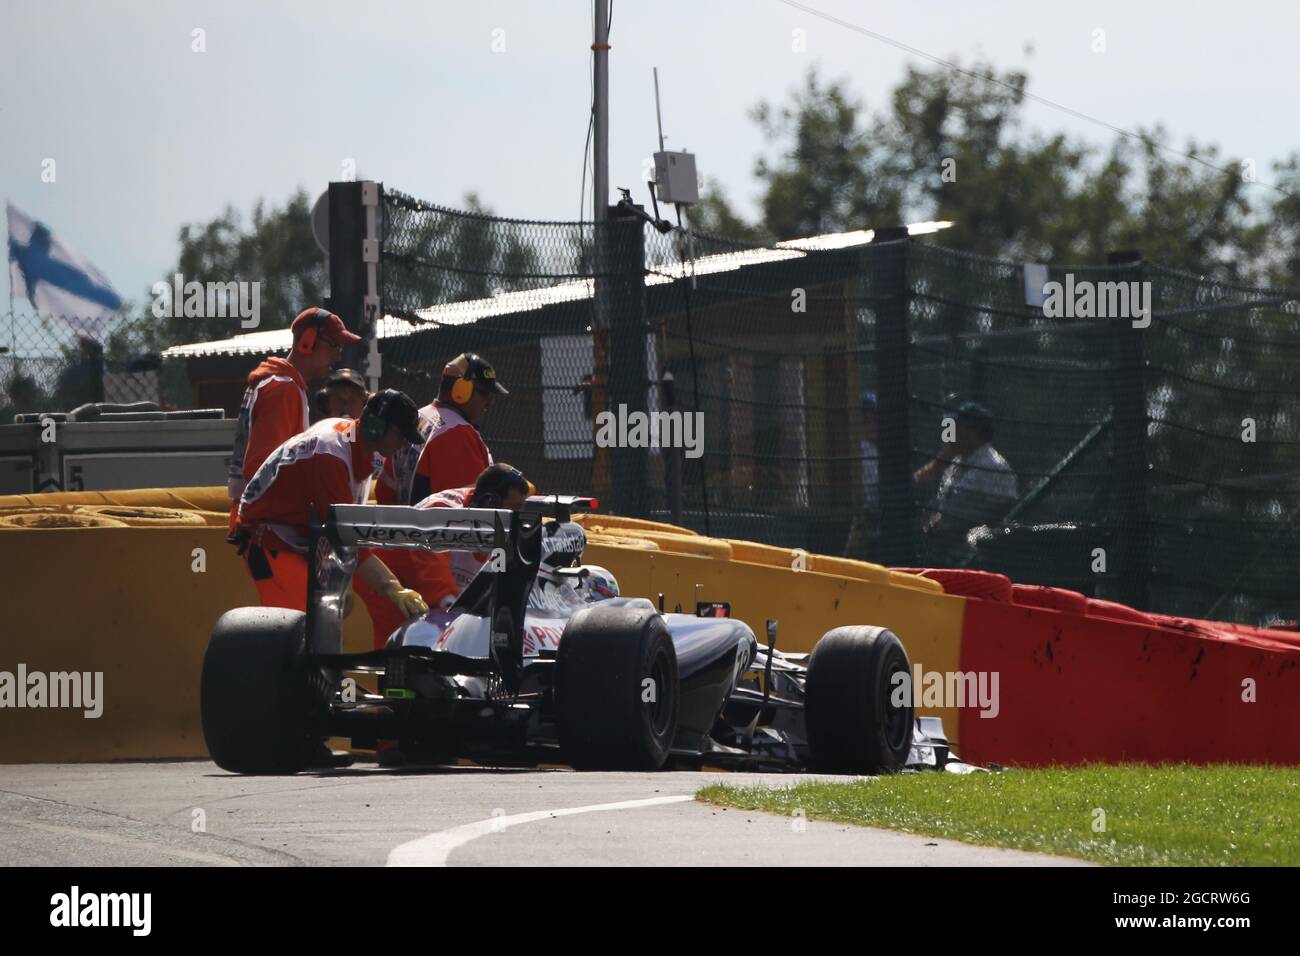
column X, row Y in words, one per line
column 536, row 662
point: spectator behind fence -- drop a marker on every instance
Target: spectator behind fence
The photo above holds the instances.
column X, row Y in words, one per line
column 866, row 518
column 24, row 396
column 976, row 484
column 82, row 381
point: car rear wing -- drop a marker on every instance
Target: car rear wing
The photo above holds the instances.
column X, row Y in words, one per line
column 500, row 591
column 429, row 529
column 442, row 529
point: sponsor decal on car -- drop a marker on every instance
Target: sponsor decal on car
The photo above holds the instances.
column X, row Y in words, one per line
column 538, row 636
column 475, row 534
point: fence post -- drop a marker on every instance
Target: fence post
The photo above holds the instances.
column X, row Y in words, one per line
column 672, row 457
column 628, row 380
column 354, row 216
column 1132, row 470
column 890, row 297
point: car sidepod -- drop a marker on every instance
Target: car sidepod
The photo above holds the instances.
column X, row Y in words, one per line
column 711, row 653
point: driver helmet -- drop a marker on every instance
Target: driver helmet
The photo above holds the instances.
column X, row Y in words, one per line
column 599, row 583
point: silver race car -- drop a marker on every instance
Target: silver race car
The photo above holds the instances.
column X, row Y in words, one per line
column 541, row 660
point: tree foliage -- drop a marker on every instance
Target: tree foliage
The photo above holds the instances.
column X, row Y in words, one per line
column 952, row 145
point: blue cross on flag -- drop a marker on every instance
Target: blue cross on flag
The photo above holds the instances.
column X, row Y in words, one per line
column 55, row 279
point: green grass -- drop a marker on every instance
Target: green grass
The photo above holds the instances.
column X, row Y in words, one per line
column 1176, row 815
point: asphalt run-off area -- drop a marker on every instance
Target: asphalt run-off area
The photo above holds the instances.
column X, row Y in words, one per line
column 192, row 813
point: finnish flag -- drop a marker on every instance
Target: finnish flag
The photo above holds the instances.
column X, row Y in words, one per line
column 55, row 279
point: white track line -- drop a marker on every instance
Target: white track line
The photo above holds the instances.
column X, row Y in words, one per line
column 433, row 850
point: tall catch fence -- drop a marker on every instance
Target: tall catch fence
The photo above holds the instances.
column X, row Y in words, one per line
column 1149, row 458
column 1153, row 459
column 56, row 363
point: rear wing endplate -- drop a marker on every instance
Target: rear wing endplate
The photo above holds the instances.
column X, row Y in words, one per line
column 559, row 507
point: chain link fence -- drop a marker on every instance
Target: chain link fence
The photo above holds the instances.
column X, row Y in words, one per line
column 892, row 400
column 1156, row 465
column 52, row 364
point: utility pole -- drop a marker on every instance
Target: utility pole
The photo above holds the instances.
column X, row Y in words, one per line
column 600, row 68
column 600, row 462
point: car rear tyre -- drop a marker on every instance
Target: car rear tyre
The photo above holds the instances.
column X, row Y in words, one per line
column 253, row 696
column 616, row 689
column 852, row 721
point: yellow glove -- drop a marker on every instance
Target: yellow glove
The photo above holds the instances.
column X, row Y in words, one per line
column 375, row 573
column 408, row 602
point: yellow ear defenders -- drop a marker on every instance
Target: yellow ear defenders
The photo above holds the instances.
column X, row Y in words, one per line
column 462, row 390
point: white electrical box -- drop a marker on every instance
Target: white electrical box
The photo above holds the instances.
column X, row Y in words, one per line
column 675, row 180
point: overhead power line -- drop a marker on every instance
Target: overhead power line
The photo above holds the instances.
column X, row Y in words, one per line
column 1043, row 100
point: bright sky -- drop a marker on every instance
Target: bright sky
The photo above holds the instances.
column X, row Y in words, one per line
column 148, row 135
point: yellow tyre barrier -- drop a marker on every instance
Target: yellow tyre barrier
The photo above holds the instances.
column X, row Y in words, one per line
column 774, row 557
column 915, row 581
column 54, row 519
column 214, row 519
column 189, row 499
column 767, row 554
column 849, row 568
column 599, row 522
column 676, row 543
column 199, row 499
column 145, row 516
column 619, row 541
column 37, row 509
column 150, row 713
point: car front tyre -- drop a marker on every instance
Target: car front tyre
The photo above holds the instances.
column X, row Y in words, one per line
column 853, row 721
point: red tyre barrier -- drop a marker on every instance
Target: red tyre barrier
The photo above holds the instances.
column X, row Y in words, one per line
column 1263, row 638
column 1119, row 612
column 1073, row 690
column 976, row 584
column 1054, row 599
